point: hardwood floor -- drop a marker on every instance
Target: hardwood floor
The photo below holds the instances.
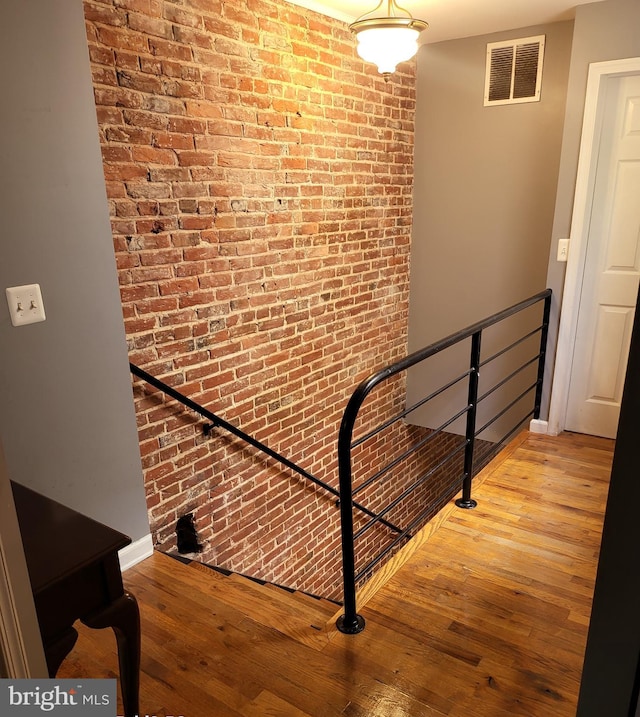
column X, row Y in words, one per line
column 488, row 617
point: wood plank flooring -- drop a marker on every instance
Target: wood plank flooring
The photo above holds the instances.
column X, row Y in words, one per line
column 487, row 618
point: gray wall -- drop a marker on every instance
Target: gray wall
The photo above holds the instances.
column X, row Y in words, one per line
column 603, row 31
column 66, row 414
column 485, row 184
column 485, row 187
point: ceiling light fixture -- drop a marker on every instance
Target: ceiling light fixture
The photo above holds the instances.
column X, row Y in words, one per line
column 387, row 40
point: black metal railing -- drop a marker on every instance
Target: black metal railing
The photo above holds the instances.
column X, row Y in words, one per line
column 351, row 622
column 218, row 422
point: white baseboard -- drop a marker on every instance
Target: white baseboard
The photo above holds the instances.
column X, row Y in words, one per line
column 537, row 426
column 136, row 552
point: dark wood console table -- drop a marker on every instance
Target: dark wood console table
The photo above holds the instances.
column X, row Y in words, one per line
column 75, row 574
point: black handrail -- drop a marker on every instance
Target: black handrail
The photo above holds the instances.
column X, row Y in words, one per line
column 217, row 422
column 351, row 622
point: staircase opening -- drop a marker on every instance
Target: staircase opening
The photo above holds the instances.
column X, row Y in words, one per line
column 394, row 475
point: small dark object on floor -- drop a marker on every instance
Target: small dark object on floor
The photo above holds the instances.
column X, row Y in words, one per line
column 187, row 535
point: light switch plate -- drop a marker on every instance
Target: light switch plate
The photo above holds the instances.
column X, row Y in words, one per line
column 25, row 304
column 563, row 249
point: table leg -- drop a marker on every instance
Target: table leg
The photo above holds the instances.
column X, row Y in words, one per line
column 123, row 616
column 56, row 651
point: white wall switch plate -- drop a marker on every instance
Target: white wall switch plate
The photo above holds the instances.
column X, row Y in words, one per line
column 25, row 304
column 563, row 249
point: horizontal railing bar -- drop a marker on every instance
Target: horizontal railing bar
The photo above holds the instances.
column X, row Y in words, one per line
column 409, row 410
column 514, row 429
column 221, row 423
column 435, row 394
column 507, row 408
column 436, row 432
column 377, row 516
column 408, row 491
column 457, row 483
column 366, row 386
column 406, row 533
column 512, row 346
column 508, row 378
column 499, row 444
column 369, row 566
column 409, row 452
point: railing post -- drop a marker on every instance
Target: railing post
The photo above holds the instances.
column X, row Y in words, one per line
column 466, row 501
column 543, row 353
column 350, row 623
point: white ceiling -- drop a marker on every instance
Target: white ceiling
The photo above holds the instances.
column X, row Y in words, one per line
column 450, row 19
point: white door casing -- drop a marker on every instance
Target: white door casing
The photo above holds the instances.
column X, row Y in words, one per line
column 601, row 274
column 612, row 268
column 20, row 643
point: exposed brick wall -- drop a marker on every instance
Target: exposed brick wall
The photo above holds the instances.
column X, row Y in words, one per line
column 259, row 176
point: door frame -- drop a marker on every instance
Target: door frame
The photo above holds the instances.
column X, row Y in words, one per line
column 599, row 75
column 22, row 654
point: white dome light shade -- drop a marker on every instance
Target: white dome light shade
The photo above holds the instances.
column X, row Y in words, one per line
column 387, row 40
column 386, row 47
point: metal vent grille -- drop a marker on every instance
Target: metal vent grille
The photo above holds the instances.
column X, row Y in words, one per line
column 514, row 71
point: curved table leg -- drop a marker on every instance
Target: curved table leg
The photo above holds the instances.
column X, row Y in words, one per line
column 123, row 616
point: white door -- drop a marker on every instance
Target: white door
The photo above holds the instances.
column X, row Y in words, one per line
column 612, row 268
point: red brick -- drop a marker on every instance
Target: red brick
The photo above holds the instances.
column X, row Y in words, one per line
column 261, row 210
column 149, row 25
column 96, row 13
column 170, row 50
column 153, row 155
